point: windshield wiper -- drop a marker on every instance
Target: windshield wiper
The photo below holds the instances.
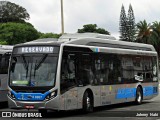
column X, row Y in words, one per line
column 41, row 61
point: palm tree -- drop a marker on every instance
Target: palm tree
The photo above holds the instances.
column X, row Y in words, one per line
column 144, row 32
column 156, row 35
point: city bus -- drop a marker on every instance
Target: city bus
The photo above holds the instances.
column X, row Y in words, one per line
column 81, row 71
column 5, row 52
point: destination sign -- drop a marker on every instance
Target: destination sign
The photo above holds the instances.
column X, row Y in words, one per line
column 36, row 49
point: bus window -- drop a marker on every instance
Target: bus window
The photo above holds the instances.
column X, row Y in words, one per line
column 138, row 68
column 154, row 69
column 114, row 62
column 147, row 68
column 4, row 63
column 68, row 71
column 101, row 69
column 128, row 69
column 0, row 63
column 85, row 71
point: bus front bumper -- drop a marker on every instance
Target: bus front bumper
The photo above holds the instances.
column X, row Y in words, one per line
column 52, row 104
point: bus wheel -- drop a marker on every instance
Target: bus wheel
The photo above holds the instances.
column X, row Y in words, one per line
column 139, row 96
column 87, row 103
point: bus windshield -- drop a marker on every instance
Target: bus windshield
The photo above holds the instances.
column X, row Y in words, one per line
column 33, row 70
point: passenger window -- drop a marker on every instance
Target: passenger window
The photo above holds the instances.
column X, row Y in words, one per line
column 85, row 70
column 147, row 69
column 68, row 71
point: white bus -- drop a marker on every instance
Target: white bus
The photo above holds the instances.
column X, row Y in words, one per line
column 81, row 71
column 5, row 52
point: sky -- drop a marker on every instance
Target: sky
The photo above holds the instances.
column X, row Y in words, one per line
column 45, row 15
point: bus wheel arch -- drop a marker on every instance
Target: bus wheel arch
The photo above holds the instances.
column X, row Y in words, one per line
column 139, row 95
column 88, row 101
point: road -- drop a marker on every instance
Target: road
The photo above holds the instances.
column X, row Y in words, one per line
column 110, row 112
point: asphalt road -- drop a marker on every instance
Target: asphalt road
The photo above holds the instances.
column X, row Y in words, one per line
column 149, row 110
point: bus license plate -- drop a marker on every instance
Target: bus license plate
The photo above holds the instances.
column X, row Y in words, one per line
column 29, row 106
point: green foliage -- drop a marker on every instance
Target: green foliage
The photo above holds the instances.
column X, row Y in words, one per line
column 149, row 34
column 144, row 32
column 102, row 31
column 123, row 25
column 127, row 25
column 14, row 33
column 3, row 42
column 49, row 35
column 11, row 12
column 131, row 24
column 92, row 28
column 156, row 35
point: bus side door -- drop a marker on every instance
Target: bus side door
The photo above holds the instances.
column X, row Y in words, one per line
column 68, row 81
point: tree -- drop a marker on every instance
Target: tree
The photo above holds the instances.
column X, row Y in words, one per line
column 10, row 12
column 144, row 32
column 102, row 31
column 93, row 29
column 123, row 25
column 49, row 35
column 15, row 33
column 130, row 25
column 156, row 36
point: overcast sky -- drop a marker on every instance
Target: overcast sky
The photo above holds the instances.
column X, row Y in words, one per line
column 45, row 14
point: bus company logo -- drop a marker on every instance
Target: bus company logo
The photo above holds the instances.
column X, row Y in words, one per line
column 6, row 114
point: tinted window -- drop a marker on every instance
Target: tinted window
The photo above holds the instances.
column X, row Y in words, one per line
column 68, row 71
column 4, row 63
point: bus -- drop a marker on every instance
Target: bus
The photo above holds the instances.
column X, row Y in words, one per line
column 81, row 71
column 5, row 52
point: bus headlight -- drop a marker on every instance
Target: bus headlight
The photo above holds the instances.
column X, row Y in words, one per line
column 51, row 95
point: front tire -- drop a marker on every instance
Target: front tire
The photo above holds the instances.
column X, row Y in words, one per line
column 87, row 103
column 139, row 96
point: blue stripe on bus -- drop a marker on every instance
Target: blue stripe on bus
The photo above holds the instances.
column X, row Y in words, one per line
column 124, row 93
column 149, row 90
column 30, row 96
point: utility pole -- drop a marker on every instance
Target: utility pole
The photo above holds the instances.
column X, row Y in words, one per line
column 62, row 18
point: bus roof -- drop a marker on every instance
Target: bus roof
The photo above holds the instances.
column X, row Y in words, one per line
column 44, row 40
column 67, row 37
column 91, row 39
column 99, row 40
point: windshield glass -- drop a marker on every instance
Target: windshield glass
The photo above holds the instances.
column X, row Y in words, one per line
column 32, row 71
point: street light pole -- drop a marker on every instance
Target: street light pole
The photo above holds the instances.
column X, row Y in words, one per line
column 62, row 18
